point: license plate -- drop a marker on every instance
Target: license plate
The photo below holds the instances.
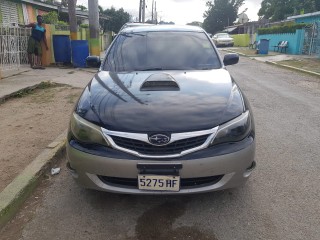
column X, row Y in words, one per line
column 159, row 183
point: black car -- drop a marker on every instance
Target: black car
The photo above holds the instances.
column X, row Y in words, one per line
column 163, row 115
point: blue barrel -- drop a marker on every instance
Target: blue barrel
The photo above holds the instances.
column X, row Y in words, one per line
column 264, row 46
column 61, row 48
column 80, row 51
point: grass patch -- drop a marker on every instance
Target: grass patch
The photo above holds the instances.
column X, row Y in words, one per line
column 253, row 52
column 31, row 90
column 309, row 64
column 43, row 96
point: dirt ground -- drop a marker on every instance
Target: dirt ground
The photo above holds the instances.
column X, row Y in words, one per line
column 29, row 123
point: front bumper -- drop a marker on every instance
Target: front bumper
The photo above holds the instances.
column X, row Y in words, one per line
column 224, row 44
column 234, row 169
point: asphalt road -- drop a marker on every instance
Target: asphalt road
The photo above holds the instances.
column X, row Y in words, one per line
column 280, row 201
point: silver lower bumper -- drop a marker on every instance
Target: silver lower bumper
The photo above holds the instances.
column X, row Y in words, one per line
column 236, row 168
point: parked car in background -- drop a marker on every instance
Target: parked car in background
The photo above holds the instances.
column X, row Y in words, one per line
column 223, row 40
column 162, row 116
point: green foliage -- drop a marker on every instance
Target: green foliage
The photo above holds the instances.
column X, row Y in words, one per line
column 194, row 23
column 64, row 3
column 100, row 9
column 50, row 18
column 117, row 19
column 83, row 25
column 83, row 8
column 62, row 23
column 166, row 23
column 288, row 28
column 277, row 10
column 220, row 14
column 0, row 17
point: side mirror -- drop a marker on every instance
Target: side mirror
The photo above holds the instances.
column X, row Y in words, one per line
column 93, row 61
column 230, row 59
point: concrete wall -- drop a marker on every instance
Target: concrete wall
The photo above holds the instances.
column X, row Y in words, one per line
column 83, row 34
column 295, row 40
column 310, row 19
column 241, row 40
column 47, row 56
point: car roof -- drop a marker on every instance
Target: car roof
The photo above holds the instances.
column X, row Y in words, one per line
column 137, row 24
column 162, row 28
column 134, row 24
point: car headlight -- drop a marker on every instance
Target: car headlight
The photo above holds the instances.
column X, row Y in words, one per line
column 234, row 130
column 85, row 131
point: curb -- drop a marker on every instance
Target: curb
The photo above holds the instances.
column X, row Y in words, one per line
column 231, row 51
column 293, row 68
column 2, row 76
column 13, row 196
column 277, row 64
column 5, row 97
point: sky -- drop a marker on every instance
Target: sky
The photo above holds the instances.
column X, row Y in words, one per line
column 177, row 11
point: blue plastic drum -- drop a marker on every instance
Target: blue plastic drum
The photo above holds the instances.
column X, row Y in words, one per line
column 80, row 51
column 61, row 48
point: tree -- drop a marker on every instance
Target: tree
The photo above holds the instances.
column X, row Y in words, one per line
column 277, row 10
column 83, row 8
column 72, row 19
column 50, row 17
column 100, row 9
column 117, row 19
column 220, row 14
column 317, row 5
column 166, row 23
column 64, row 3
column 195, row 23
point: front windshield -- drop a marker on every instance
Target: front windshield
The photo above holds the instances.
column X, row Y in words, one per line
column 161, row 51
column 223, row 35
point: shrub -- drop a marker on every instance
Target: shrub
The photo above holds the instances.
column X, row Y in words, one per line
column 288, row 28
column 50, row 18
column 62, row 23
column 84, row 25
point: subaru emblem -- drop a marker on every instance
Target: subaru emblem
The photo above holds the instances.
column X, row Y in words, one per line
column 159, row 139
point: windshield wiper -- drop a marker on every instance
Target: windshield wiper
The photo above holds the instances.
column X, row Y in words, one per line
column 166, row 68
column 129, row 34
column 150, row 69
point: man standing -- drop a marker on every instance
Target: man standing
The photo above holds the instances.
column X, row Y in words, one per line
column 34, row 50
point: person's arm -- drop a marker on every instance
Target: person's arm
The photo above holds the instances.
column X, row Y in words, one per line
column 45, row 40
column 32, row 25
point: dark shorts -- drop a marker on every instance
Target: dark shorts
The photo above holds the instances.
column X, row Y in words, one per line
column 34, row 47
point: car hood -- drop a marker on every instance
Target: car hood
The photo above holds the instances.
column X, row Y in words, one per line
column 197, row 100
column 225, row 39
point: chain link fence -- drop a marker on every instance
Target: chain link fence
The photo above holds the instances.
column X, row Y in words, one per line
column 311, row 45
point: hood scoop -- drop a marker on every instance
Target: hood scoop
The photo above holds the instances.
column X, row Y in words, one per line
column 160, row 82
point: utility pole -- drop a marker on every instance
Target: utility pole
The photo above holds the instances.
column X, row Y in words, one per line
column 155, row 12
column 94, row 27
column 152, row 11
column 140, row 7
column 72, row 19
column 143, row 11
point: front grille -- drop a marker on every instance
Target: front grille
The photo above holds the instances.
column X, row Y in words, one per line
column 185, row 183
column 148, row 149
